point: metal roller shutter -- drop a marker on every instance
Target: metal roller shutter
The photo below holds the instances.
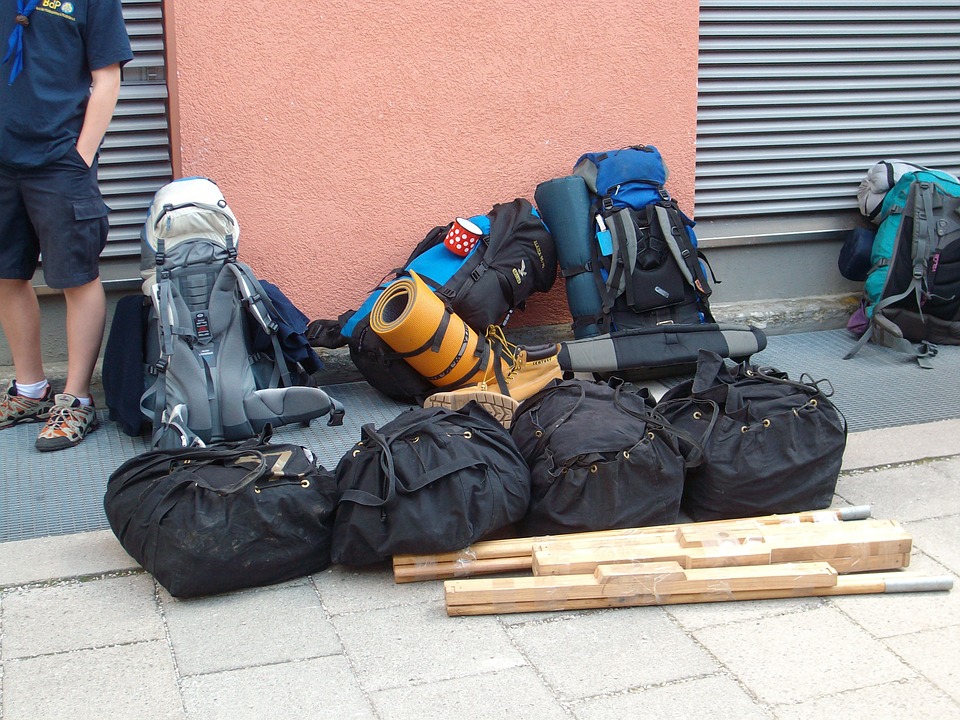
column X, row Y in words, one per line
column 135, row 156
column 798, row 98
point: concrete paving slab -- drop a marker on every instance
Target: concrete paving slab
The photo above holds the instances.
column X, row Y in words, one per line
column 908, row 700
column 402, row 645
column 76, row 615
column 344, row 589
column 907, row 492
column 511, row 694
column 62, row 556
column 702, row 615
column 935, row 654
column 802, row 656
column 609, row 651
column 124, row 681
column 900, row 614
column 717, row 697
column 250, row 628
column 873, row 448
column 318, row 688
column 938, row 539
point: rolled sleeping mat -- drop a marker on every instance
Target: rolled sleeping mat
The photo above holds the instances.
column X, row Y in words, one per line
column 437, row 343
column 660, row 351
column 564, row 206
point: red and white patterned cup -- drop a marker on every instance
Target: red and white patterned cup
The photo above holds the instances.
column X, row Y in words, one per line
column 462, row 237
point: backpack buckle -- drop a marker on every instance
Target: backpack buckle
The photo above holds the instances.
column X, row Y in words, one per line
column 607, row 204
column 478, row 272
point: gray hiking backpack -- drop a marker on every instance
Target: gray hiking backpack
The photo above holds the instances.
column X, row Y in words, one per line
column 209, row 385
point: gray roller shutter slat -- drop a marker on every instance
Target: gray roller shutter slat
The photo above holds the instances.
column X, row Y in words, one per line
column 135, row 156
column 798, row 98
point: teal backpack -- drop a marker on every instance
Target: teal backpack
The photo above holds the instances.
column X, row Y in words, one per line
column 911, row 296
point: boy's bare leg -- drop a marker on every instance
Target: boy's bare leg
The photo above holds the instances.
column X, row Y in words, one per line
column 20, row 319
column 86, row 318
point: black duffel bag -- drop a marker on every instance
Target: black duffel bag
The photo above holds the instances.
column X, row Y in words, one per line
column 223, row 517
column 600, row 457
column 431, row 480
column 770, row 444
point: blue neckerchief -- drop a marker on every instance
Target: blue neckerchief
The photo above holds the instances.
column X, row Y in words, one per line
column 15, row 43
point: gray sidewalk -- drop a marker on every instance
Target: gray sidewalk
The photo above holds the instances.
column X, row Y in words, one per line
column 87, row 634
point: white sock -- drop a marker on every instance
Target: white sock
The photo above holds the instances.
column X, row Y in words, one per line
column 34, row 391
column 86, row 401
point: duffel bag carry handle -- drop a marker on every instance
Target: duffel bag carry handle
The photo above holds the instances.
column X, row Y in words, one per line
column 810, row 387
column 202, row 457
column 694, row 456
column 392, row 485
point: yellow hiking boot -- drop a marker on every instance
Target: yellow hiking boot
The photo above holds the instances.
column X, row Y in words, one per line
column 528, row 370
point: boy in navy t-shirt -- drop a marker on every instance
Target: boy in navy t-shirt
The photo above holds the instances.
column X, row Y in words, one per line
column 59, row 84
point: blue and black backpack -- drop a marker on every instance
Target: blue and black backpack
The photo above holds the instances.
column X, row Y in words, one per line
column 514, row 258
column 636, row 265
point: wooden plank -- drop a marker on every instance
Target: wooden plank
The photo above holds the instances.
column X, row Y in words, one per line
column 434, row 567
column 659, row 579
column 719, row 580
column 692, row 536
column 688, row 536
column 845, row 585
column 873, row 563
column 585, row 560
column 829, row 548
column 847, row 541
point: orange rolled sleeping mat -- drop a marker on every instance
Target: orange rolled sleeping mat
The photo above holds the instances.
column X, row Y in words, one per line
column 437, row 343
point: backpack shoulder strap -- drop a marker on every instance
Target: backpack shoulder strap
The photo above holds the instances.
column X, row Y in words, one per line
column 258, row 304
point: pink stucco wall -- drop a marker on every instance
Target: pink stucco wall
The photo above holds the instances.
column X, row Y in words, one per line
column 341, row 132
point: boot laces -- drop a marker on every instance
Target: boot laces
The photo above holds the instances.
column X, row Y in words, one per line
column 502, row 350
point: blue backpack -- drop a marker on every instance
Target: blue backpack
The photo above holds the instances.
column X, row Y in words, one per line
column 643, row 259
column 911, row 295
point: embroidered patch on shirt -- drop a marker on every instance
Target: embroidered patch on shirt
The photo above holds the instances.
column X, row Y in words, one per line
column 58, row 8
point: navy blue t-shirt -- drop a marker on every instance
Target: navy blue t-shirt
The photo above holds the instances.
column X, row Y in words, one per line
column 41, row 113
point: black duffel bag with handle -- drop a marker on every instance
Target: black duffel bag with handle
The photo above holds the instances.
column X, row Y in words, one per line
column 770, row 444
column 600, row 457
column 231, row 515
column 431, row 480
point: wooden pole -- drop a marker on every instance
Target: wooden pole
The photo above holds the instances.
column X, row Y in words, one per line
column 504, row 599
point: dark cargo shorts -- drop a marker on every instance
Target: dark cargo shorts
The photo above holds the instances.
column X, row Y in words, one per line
column 56, row 211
